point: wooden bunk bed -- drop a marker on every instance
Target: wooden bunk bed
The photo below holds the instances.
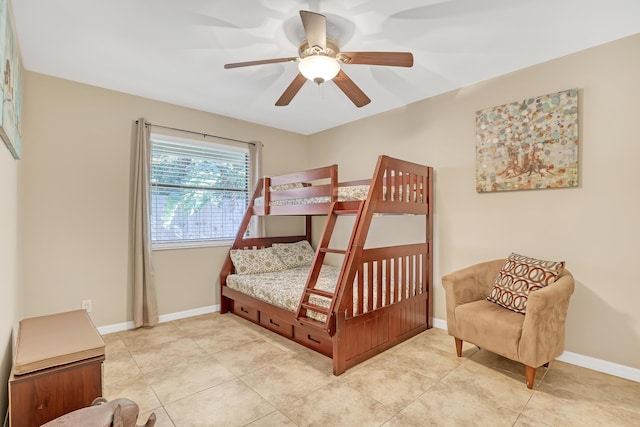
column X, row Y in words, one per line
column 382, row 295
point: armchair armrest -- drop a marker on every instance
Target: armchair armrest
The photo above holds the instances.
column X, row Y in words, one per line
column 467, row 285
column 542, row 337
column 553, row 294
column 472, row 283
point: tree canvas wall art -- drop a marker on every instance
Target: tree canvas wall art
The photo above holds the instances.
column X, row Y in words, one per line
column 11, row 87
column 528, row 145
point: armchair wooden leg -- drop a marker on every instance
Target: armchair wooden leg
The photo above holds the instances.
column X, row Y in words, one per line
column 530, row 375
column 459, row 347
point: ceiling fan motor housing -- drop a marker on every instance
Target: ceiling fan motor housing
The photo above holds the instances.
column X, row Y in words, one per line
column 331, row 50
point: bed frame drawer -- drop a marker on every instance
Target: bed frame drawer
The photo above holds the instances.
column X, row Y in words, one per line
column 316, row 340
column 276, row 325
column 246, row 311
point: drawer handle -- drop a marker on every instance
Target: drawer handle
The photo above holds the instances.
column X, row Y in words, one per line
column 242, row 309
column 310, row 338
column 273, row 323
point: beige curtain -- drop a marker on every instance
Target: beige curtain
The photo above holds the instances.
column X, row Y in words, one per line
column 255, row 153
column 145, row 307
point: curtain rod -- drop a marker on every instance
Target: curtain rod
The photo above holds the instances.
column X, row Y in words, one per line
column 199, row 133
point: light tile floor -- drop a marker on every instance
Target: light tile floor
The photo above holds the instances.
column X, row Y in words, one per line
column 220, row 370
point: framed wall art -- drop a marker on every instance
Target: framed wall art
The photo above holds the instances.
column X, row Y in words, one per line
column 528, row 145
column 11, row 87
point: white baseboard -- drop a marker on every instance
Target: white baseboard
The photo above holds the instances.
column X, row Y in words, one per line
column 599, row 365
column 189, row 313
column 119, row 327
column 439, row 323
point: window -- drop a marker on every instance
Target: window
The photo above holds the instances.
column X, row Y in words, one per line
column 199, row 191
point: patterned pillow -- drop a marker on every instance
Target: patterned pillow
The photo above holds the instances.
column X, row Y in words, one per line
column 519, row 276
column 255, row 261
column 299, row 254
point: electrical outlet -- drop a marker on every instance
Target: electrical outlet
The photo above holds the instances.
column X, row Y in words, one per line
column 86, row 305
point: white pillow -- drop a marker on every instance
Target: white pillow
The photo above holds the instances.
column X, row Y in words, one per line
column 255, row 261
column 299, row 254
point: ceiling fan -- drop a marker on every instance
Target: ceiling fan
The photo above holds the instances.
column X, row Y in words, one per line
column 319, row 60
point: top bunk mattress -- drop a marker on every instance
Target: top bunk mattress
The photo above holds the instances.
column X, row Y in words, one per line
column 345, row 194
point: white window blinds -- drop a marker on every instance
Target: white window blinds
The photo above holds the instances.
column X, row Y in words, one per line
column 198, row 192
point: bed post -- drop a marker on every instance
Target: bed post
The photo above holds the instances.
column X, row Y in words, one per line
column 431, row 198
column 227, row 267
column 307, row 225
column 265, row 183
column 339, row 344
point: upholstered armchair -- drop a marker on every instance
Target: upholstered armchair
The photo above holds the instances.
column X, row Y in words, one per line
column 533, row 338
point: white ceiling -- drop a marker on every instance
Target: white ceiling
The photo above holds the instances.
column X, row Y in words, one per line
column 174, row 50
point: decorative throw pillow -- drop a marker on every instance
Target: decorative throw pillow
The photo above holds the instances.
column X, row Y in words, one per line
column 519, row 276
column 299, row 254
column 254, row 261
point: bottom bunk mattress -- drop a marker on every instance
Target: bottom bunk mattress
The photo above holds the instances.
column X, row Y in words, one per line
column 284, row 288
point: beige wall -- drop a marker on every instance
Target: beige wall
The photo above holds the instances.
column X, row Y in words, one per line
column 595, row 228
column 77, row 159
column 10, row 303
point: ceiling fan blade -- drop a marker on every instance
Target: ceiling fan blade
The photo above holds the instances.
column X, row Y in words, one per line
column 291, row 91
column 394, row 59
column 261, row 62
column 315, row 27
column 353, row 92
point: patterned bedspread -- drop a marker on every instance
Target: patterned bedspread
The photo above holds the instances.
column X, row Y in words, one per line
column 345, row 194
column 284, row 288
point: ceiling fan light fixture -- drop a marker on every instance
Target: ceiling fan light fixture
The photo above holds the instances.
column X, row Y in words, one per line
column 319, row 68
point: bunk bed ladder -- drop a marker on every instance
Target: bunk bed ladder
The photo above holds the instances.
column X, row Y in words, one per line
column 337, row 209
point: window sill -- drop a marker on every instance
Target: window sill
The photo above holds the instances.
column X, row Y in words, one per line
column 190, row 245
